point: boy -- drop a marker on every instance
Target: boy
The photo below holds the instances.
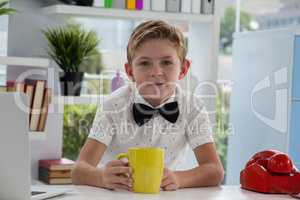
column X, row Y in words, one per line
column 153, row 111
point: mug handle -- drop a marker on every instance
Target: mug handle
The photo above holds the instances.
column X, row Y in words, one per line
column 122, row 155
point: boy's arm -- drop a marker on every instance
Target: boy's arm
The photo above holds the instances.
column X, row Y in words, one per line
column 209, row 172
column 85, row 171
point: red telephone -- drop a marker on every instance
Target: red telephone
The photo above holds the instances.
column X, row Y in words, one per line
column 271, row 171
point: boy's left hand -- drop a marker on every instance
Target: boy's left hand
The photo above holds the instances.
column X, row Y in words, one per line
column 169, row 181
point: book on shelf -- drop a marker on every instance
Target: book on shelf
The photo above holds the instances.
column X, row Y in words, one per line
column 20, row 87
column 29, row 90
column 39, row 98
column 37, row 104
column 57, row 164
column 13, row 86
column 10, row 86
column 44, row 109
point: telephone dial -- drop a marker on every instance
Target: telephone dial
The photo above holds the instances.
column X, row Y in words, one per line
column 271, row 171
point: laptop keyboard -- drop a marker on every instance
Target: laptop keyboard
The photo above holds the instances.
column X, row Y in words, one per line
column 36, row 193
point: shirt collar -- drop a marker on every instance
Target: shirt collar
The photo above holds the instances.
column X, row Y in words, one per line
column 137, row 98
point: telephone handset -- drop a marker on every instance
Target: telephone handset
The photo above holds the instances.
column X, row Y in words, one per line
column 270, row 171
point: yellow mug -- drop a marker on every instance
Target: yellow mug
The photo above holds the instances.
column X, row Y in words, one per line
column 147, row 165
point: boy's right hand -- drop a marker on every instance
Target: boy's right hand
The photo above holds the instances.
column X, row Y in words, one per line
column 113, row 175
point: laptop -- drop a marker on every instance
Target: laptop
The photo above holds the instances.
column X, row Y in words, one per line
column 15, row 177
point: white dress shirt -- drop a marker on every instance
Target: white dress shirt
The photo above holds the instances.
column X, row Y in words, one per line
column 114, row 126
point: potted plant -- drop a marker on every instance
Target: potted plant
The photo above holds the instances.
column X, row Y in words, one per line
column 71, row 46
column 4, row 10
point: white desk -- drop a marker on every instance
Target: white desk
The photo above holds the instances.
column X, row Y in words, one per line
column 210, row 193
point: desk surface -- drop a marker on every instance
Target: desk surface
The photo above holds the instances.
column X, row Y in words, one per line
column 209, row 193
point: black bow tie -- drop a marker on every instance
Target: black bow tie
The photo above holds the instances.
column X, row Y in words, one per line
column 143, row 113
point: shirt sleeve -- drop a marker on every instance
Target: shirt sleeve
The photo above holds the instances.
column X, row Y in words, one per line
column 199, row 130
column 102, row 129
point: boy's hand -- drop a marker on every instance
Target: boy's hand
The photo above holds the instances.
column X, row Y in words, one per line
column 170, row 181
column 117, row 175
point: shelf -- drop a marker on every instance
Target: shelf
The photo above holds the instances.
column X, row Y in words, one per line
column 77, row 100
column 124, row 14
column 25, row 61
column 36, row 135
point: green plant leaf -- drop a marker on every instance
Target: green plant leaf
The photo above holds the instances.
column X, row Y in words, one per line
column 3, row 3
column 70, row 46
column 75, row 132
column 4, row 10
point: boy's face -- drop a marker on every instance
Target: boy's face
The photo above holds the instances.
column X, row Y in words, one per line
column 155, row 69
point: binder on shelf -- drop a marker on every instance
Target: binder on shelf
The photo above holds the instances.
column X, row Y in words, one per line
column 130, row 4
column 173, row 5
column 186, row 6
column 196, row 6
column 207, row 7
column 147, row 5
column 99, row 3
column 119, row 4
column 108, row 3
column 139, row 4
column 158, row 5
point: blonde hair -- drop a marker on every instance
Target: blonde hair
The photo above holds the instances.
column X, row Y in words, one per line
column 156, row 29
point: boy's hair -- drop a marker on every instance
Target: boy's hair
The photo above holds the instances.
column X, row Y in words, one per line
column 156, row 29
